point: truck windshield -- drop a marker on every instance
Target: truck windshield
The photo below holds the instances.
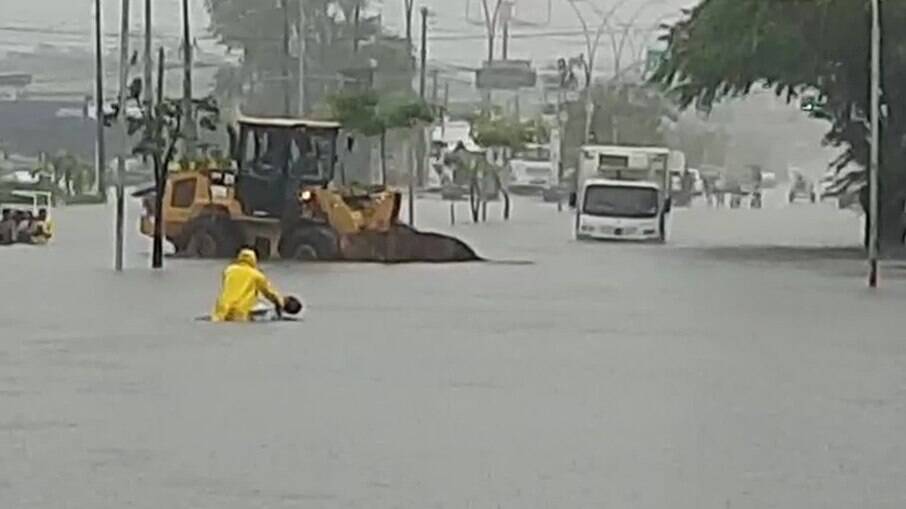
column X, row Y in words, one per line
column 533, row 154
column 621, row 201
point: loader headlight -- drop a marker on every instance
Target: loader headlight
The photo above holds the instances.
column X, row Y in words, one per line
column 306, row 195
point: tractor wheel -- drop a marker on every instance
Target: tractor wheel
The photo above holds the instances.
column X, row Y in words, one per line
column 210, row 238
column 307, row 243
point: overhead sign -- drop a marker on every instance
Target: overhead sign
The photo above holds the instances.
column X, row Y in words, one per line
column 506, row 75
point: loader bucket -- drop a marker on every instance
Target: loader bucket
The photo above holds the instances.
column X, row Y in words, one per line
column 404, row 244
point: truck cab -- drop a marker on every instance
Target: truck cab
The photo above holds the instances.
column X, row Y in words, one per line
column 622, row 210
column 624, row 193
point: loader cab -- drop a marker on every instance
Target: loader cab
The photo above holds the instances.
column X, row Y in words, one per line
column 276, row 157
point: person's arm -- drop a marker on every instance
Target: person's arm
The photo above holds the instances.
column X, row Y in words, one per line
column 269, row 292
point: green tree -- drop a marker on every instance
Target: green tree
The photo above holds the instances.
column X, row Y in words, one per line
column 725, row 48
column 159, row 129
column 502, row 132
column 624, row 113
column 338, row 40
column 369, row 114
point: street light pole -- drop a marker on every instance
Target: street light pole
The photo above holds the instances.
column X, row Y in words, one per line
column 188, row 126
column 423, row 57
column 124, row 135
column 873, row 213
column 287, row 85
column 417, row 170
column 591, row 47
column 101, row 145
column 301, row 34
column 149, row 64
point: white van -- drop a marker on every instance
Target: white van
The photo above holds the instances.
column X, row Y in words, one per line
column 531, row 170
column 622, row 210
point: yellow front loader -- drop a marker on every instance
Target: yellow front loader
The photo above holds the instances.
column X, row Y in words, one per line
column 277, row 194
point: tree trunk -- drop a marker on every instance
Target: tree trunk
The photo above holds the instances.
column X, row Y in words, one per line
column 384, row 158
column 890, row 227
column 474, row 197
column 160, row 182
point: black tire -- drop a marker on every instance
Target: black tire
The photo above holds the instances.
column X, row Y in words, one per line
column 309, row 243
column 662, row 228
column 209, row 237
column 791, row 197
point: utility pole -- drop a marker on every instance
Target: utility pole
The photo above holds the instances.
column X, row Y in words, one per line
column 188, row 128
column 287, row 96
column 100, row 142
column 443, row 120
column 434, row 85
column 424, row 54
column 300, row 42
column 874, row 212
column 418, row 170
column 355, row 28
column 124, row 135
column 505, row 14
column 149, row 63
column 408, row 5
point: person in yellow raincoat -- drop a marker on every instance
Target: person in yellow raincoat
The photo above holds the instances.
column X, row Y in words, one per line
column 242, row 285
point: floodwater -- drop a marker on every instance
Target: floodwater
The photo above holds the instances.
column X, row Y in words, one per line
column 743, row 365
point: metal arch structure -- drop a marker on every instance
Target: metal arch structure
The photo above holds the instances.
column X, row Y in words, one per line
column 501, row 17
column 619, row 45
column 514, row 20
column 592, row 42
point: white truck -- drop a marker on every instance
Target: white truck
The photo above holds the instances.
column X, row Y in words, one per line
column 531, row 170
column 624, row 193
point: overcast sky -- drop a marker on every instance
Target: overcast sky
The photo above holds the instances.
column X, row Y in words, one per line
column 450, row 30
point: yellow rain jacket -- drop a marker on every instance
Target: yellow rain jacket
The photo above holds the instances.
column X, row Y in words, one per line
column 242, row 285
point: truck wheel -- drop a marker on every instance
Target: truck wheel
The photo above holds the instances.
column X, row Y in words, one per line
column 210, row 238
column 309, row 243
column 662, row 229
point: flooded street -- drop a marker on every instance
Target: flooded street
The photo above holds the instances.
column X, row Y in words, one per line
column 739, row 366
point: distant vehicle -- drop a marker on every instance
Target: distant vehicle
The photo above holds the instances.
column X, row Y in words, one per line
column 698, row 186
column 801, row 187
column 685, row 185
column 624, row 193
column 436, row 167
column 530, row 170
column 20, row 177
column 22, row 201
column 446, row 138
